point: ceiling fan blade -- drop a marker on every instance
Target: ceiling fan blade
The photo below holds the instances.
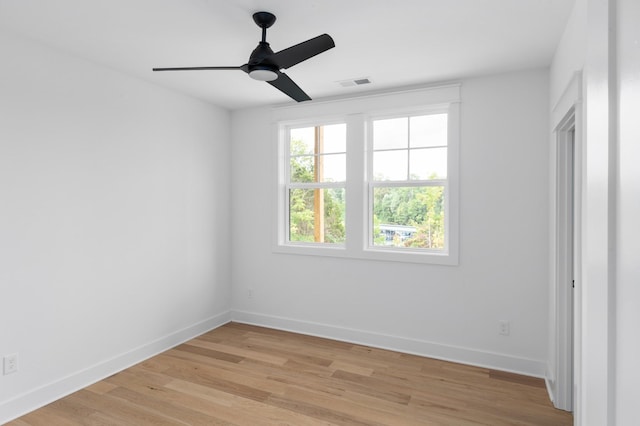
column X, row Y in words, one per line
column 289, row 88
column 198, row 68
column 300, row 52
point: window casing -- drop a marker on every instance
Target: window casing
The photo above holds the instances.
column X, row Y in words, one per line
column 428, row 146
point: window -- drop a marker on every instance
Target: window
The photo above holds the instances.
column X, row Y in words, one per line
column 407, row 182
column 375, row 179
column 316, row 184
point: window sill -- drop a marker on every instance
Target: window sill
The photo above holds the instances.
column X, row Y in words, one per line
column 377, row 254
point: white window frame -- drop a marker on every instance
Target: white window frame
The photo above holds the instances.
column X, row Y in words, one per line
column 358, row 113
column 372, row 183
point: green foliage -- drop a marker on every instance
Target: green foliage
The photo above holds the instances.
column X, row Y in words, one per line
column 419, row 207
column 334, row 203
column 378, row 237
column 301, row 165
column 301, row 218
column 301, row 202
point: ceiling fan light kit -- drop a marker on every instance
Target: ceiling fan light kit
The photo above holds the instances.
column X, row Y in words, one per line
column 263, row 74
column 265, row 65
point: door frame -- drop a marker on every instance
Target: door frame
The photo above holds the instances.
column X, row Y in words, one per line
column 566, row 256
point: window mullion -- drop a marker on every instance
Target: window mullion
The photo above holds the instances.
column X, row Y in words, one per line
column 314, row 185
column 318, row 194
column 356, row 203
column 408, row 148
column 285, row 176
column 404, row 183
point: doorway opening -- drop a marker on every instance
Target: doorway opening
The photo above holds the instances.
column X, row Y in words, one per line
column 567, row 260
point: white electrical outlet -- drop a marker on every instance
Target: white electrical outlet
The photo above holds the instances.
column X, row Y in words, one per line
column 10, row 364
column 504, row 327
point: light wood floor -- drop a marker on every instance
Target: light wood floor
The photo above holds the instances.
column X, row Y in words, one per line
column 246, row 375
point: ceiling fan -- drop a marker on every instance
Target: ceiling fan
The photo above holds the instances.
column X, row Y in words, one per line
column 265, row 65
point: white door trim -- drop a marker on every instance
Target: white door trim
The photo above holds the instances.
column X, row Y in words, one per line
column 566, row 234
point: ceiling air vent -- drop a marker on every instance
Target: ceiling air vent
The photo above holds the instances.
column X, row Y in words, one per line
column 354, row 82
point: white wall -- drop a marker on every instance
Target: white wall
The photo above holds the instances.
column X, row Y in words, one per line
column 444, row 311
column 627, row 311
column 114, row 206
column 570, row 53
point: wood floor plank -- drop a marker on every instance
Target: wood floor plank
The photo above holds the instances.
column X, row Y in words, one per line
column 315, row 411
column 351, row 367
column 241, row 352
column 232, row 407
column 368, row 386
column 101, row 387
column 357, row 410
column 195, row 349
column 516, row 378
column 61, row 414
column 158, row 401
column 242, row 374
column 124, row 411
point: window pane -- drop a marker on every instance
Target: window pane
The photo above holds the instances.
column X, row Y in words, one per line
column 390, row 165
column 334, row 167
column 409, row 217
column 302, row 169
column 391, row 133
column 334, row 205
column 317, row 215
column 428, row 130
column 429, row 163
column 304, row 159
column 302, row 141
column 335, row 138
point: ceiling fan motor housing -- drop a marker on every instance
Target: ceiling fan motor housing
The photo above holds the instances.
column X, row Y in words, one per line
column 259, row 67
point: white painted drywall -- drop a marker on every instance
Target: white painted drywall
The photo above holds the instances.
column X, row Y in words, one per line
column 114, row 212
column 598, row 295
column 627, row 320
column 570, row 53
column 444, row 311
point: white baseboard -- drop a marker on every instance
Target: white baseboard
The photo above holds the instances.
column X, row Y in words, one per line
column 550, row 387
column 529, row 367
column 39, row 397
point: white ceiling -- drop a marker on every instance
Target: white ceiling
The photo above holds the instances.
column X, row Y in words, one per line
column 392, row 42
